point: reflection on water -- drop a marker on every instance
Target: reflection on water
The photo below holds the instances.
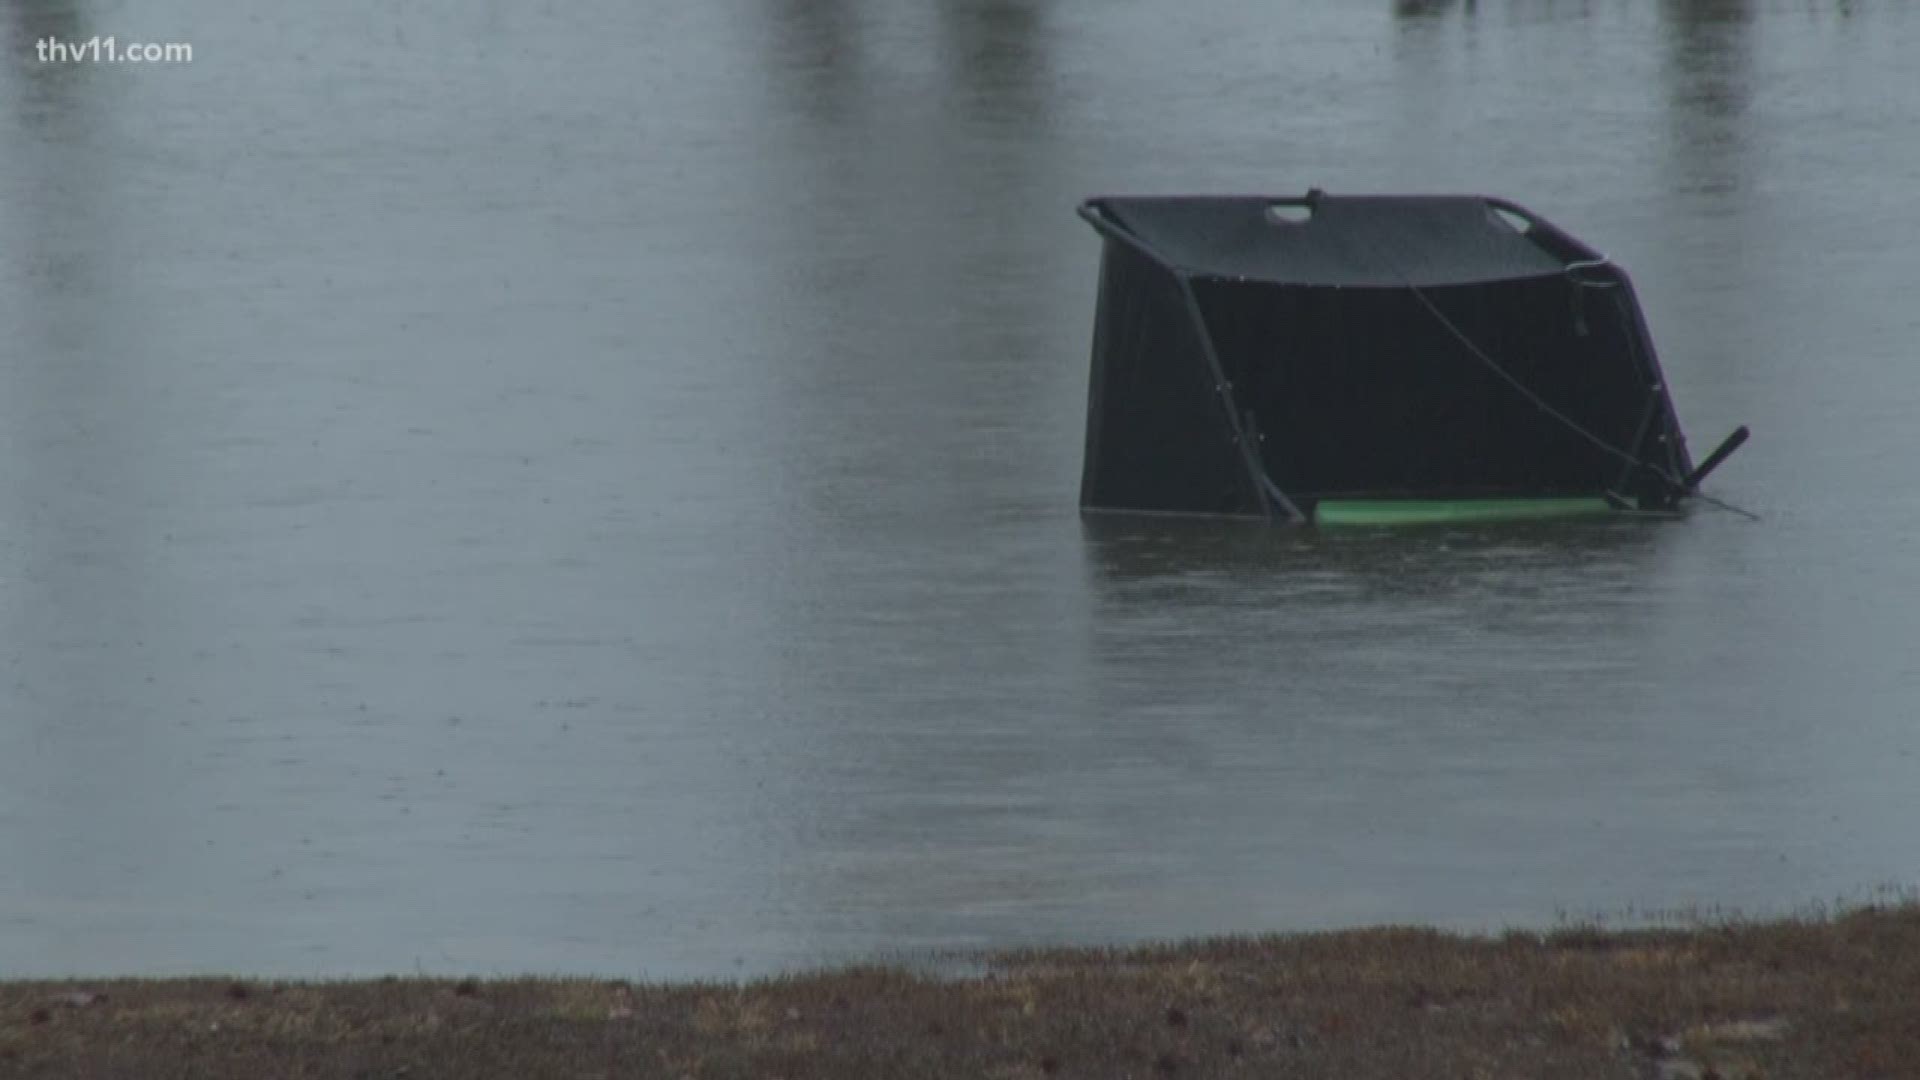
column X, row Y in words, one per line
column 1378, row 627
column 484, row 499
column 1425, row 9
column 1709, row 67
column 75, row 572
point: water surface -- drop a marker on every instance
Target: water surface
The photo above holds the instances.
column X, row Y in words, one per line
column 591, row 487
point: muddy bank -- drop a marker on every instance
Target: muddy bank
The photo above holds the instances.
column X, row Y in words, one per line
column 1803, row 998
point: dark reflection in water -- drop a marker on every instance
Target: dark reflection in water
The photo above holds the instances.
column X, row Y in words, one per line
column 80, row 571
column 1424, row 9
column 591, row 488
column 829, row 55
column 999, row 54
column 1339, row 622
column 917, row 447
column 819, row 57
column 1421, row 562
column 1708, row 68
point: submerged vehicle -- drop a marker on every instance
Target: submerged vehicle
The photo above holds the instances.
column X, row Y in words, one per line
column 1370, row 359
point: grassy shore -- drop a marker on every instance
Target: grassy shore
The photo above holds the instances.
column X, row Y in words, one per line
column 1802, row 998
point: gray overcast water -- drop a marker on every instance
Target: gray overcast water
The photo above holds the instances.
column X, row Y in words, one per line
column 532, row 486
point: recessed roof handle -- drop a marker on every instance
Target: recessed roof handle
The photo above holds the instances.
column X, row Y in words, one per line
column 1516, row 210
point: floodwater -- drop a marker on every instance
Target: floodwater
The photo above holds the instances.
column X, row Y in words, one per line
column 498, row 486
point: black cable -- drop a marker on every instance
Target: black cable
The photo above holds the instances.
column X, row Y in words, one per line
column 1547, row 407
column 1541, row 403
column 1724, row 505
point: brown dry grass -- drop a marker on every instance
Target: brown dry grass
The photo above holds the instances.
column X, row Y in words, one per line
column 1814, row 998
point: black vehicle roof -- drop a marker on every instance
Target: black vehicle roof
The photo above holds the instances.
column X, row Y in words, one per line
column 1349, row 240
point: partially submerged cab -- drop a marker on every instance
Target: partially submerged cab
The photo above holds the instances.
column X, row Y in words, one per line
column 1368, row 358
